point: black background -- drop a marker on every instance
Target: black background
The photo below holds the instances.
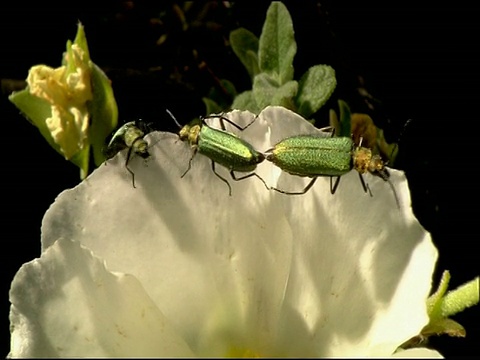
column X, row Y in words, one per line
column 420, row 62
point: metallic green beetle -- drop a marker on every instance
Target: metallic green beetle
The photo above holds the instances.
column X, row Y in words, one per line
column 131, row 136
column 314, row 156
column 221, row 147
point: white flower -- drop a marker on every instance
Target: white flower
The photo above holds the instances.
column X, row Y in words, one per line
column 177, row 267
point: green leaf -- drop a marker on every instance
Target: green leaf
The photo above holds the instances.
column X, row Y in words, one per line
column 227, row 89
column 388, row 151
column 246, row 101
column 36, row 111
column 81, row 159
column 70, row 65
column 442, row 304
column 345, row 119
column 444, row 326
column 434, row 301
column 462, row 297
column 267, row 92
column 314, row 89
column 284, row 95
column 277, row 46
column 103, row 111
column 98, row 115
column 245, row 45
column 211, row 106
column 102, row 108
column 264, row 88
column 81, row 41
column 333, row 120
column 222, row 94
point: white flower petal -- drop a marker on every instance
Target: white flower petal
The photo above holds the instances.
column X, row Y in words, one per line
column 186, row 237
column 362, row 248
column 67, row 304
column 258, row 272
column 418, row 353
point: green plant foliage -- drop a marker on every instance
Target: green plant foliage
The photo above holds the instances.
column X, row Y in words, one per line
column 314, row 89
column 362, row 128
column 342, row 126
column 277, row 46
column 245, row 46
column 443, row 304
column 269, row 63
column 104, row 112
column 219, row 98
column 73, row 106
